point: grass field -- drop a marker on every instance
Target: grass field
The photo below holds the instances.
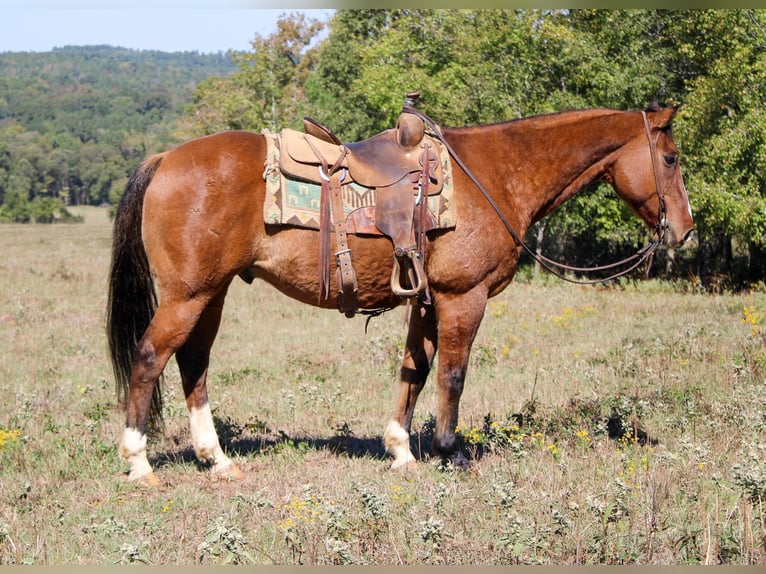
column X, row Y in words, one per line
column 607, row 425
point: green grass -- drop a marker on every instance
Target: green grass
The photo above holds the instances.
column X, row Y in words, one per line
column 607, row 425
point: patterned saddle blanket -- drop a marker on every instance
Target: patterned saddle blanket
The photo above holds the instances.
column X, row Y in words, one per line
column 296, row 202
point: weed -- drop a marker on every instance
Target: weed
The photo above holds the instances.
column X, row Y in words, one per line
column 109, row 526
column 517, row 538
column 285, row 444
column 131, row 554
column 570, row 316
column 224, row 544
column 753, row 318
column 257, row 500
column 235, row 376
column 301, row 518
column 375, row 505
column 431, row 532
column 483, row 355
column 8, row 438
column 501, row 494
column 385, row 350
column 750, row 474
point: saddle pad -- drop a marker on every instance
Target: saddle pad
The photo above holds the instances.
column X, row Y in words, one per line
column 295, row 202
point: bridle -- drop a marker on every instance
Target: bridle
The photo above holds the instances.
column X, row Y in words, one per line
column 644, row 254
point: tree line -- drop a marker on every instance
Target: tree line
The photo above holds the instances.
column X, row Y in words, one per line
column 75, row 121
column 481, row 66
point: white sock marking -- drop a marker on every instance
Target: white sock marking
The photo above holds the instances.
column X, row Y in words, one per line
column 133, row 449
column 205, row 439
column 397, row 442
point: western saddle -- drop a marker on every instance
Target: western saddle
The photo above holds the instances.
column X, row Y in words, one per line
column 402, row 164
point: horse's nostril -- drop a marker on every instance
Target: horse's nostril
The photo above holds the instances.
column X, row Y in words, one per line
column 688, row 236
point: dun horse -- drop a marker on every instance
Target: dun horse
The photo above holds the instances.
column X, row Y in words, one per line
column 191, row 221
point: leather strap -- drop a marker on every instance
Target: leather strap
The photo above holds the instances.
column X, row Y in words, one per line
column 332, row 178
column 346, row 276
column 420, row 222
column 422, row 201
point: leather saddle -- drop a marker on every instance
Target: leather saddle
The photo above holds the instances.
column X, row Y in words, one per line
column 402, row 164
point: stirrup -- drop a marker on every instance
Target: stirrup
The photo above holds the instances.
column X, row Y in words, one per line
column 415, row 273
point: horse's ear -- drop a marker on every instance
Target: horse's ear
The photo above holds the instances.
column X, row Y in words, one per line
column 663, row 116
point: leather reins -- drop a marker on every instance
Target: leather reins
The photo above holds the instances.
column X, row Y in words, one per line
column 646, row 253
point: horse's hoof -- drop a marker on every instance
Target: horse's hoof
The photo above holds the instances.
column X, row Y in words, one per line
column 461, row 462
column 457, row 462
column 150, row 479
column 231, row 472
column 406, row 466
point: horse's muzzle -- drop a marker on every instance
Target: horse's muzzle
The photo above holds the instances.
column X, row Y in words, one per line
column 671, row 239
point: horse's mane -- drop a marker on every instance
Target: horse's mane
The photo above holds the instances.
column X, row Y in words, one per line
column 564, row 116
column 573, row 115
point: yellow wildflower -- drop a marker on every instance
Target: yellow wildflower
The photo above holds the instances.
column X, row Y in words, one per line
column 8, row 437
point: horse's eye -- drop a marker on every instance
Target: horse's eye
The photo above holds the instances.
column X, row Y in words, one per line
column 670, row 160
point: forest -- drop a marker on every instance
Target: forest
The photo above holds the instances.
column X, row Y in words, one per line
column 74, row 122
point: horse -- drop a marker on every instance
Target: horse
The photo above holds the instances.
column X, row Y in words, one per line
column 191, row 222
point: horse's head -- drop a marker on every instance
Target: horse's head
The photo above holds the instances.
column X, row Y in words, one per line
column 647, row 175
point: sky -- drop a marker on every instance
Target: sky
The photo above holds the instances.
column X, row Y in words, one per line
column 39, row 28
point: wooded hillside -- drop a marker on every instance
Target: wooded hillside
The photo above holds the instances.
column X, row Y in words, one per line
column 75, row 121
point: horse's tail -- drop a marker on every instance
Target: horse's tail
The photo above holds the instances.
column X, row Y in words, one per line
column 132, row 297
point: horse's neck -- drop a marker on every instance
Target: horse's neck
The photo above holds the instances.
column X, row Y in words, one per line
column 545, row 160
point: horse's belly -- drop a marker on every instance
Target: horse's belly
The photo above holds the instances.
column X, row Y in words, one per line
column 289, row 262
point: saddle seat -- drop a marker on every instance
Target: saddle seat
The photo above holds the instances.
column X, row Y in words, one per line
column 377, row 162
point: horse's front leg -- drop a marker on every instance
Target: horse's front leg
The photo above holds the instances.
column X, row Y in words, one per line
column 459, row 320
column 418, row 356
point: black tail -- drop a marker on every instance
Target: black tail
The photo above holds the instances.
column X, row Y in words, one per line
column 132, row 297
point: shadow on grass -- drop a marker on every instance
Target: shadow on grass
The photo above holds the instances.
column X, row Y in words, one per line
column 249, row 447
column 254, row 440
column 235, row 443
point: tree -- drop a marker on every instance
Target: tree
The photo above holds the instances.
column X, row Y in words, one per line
column 268, row 90
column 722, row 63
column 330, row 86
column 83, row 118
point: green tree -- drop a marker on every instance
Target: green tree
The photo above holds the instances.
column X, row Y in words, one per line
column 330, row 86
column 83, row 118
column 713, row 61
column 268, row 90
column 16, row 205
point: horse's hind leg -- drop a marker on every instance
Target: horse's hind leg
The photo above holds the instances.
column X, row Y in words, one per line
column 193, row 358
column 418, row 356
column 169, row 329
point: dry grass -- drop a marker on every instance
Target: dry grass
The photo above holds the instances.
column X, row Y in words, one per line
column 621, row 425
